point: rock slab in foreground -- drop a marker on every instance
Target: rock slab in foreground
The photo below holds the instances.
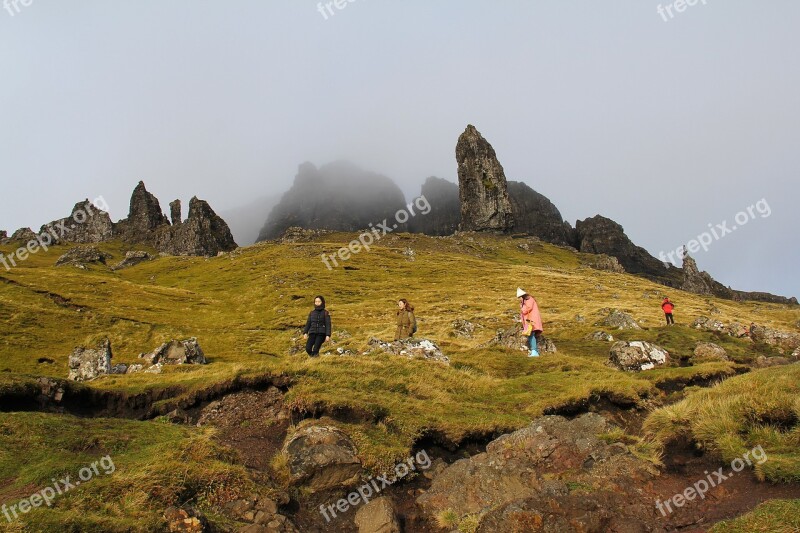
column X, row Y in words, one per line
column 322, row 457
column 554, row 475
column 412, row 348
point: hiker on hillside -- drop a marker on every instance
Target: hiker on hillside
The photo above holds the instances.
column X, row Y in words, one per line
column 668, row 307
column 406, row 321
column 531, row 321
column 318, row 327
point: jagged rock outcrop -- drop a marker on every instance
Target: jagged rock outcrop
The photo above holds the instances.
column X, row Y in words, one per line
column 144, row 217
column 536, row 215
column 483, row 190
column 3, row 236
column 86, row 224
column 204, row 233
column 600, row 235
column 701, row 282
column 445, row 214
column 175, row 212
column 338, row 196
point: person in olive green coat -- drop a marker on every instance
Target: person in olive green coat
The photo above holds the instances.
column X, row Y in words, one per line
column 406, row 321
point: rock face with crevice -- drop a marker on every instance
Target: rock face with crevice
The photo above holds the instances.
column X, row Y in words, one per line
column 518, row 484
column 87, row 224
column 483, row 190
column 536, row 215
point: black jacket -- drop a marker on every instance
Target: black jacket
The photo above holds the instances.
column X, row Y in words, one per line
column 319, row 322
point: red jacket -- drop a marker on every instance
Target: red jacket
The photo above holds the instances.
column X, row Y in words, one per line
column 667, row 306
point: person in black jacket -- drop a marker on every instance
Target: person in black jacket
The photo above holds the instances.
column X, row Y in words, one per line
column 318, row 327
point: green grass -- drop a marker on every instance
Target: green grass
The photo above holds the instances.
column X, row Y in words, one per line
column 246, row 307
column 757, row 409
column 777, row 516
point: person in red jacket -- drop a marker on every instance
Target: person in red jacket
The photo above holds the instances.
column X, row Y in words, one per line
column 668, row 307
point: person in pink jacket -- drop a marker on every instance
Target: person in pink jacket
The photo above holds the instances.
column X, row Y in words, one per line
column 531, row 321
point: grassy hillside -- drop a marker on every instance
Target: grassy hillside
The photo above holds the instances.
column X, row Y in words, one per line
column 246, row 308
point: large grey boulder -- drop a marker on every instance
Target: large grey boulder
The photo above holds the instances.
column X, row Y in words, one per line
column 322, row 457
column 132, row 258
column 619, row 320
column 86, row 364
column 378, row 516
column 483, row 189
column 174, row 352
column 783, row 340
column 81, row 256
column 708, row 351
column 636, row 356
column 411, row 348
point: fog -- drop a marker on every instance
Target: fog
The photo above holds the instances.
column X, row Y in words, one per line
column 665, row 125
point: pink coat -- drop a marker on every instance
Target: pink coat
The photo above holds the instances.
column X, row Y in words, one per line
column 529, row 314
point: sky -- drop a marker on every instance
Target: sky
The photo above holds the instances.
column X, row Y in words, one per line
column 666, row 124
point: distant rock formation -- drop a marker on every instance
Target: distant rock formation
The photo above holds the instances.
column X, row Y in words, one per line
column 536, row 215
column 175, row 212
column 22, row 235
column 203, row 233
column 445, row 214
column 600, row 235
column 483, row 189
column 86, row 224
column 338, row 196
column 3, row 236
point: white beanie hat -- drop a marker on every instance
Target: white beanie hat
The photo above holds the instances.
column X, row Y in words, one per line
column 520, row 293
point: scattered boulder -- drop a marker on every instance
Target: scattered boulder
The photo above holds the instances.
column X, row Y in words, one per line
column 600, row 336
column 81, row 256
column 704, row 323
column 322, row 457
column 87, row 224
column 708, row 351
column 796, row 354
column 132, row 258
column 546, row 345
column 411, row 348
column 483, row 190
column 378, row 516
column 637, row 356
column 462, row 329
column 120, row 368
column 513, row 339
column 781, row 339
column 739, row 331
column 606, row 263
column 619, row 320
column 297, row 234
column 186, row 352
column 86, row 364
column 766, row 362
column 23, row 235
column 519, row 482
column 185, row 521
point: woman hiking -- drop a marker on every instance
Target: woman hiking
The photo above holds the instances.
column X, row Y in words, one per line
column 406, row 321
column 531, row 321
column 318, row 327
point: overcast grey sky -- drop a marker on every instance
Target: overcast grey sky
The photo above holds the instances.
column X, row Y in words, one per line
column 604, row 107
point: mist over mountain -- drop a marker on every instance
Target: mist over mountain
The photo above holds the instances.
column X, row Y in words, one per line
column 338, row 196
column 246, row 221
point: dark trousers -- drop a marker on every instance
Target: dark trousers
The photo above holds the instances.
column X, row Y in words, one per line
column 314, row 343
column 670, row 320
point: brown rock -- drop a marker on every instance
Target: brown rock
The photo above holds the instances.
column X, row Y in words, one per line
column 378, row 516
